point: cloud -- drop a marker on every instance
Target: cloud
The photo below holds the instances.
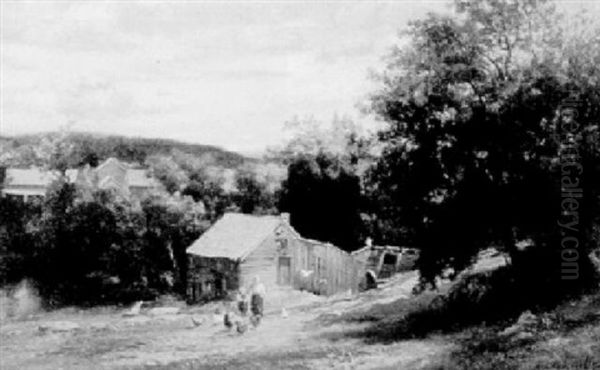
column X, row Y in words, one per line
column 228, row 74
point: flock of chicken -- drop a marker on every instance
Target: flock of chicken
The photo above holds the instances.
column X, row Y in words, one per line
column 231, row 320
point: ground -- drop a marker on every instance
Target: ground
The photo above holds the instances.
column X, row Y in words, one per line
column 314, row 333
column 106, row 339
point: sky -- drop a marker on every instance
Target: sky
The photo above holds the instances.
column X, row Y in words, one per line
column 223, row 73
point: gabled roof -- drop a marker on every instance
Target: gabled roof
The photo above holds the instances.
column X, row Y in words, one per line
column 235, row 236
column 112, row 161
column 29, row 177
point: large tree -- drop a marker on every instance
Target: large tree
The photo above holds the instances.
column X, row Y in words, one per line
column 323, row 196
column 492, row 116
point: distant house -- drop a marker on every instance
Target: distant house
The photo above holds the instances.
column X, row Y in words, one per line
column 26, row 184
column 31, row 183
column 239, row 247
column 118, row 176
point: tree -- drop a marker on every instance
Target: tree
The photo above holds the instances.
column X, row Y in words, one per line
column 210, row 193
column 168, row 172
column 323, row 197
column 480, row 111
column 252, row 196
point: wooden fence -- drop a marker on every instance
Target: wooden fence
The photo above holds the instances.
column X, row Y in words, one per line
column 322, row 268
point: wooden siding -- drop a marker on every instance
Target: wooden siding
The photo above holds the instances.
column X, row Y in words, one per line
column 211, row 278
column 262, row 263
column 330, row 270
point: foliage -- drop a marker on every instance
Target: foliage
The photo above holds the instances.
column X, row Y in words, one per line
column 168, row 172
column 342, row 138
column 484, row 113
column 323, row 188
column 100, row 248
column 15, row 238
column 323, row 197
column 29, row 150
column 251, row 195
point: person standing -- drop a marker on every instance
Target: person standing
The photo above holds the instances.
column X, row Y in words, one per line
column 257, row 298
column 242, row 302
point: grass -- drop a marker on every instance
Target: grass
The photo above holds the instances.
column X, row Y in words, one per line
column 570, row 341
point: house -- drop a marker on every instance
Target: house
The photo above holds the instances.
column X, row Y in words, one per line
column 27, row 184
column 118, row 176
column 113, row 174
column 239, row 247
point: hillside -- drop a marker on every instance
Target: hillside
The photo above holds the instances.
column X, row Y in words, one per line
column 129, row 149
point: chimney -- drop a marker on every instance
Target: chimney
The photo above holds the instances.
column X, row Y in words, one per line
column 285, row 216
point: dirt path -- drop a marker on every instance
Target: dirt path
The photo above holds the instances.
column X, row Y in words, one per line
column 302, row 340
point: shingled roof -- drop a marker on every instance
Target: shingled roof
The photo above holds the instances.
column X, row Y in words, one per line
column 235, row 236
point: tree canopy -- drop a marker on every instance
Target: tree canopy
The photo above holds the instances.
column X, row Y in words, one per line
column 488, row 112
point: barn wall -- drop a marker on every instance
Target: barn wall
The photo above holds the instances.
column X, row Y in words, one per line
column 262, row 263
column 211, row 278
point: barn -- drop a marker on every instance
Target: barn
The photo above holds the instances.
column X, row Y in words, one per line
column 239, row 247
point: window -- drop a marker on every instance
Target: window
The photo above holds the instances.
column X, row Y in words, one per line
column 390, row 259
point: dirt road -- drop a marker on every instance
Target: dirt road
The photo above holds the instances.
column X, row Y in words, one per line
column 302, row 338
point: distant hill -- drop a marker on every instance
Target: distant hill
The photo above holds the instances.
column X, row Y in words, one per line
column 129, row 149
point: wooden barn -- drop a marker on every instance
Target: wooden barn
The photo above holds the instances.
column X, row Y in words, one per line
column 239, row 247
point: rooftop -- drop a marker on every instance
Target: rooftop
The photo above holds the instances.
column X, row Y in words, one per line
column 235, row 236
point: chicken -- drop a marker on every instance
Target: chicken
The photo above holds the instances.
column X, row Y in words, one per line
column 197, row 321
column 255, row 320
column 241, row 326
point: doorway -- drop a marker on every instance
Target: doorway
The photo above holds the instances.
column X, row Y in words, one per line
column 284, row 271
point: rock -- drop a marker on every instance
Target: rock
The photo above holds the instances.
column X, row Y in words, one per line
column 158, row 311
column 58, row 327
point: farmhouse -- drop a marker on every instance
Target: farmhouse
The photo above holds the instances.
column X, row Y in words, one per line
column 30, row 183
column 239, row 247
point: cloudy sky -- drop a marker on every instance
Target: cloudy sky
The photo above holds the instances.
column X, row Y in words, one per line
column 228, row 74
